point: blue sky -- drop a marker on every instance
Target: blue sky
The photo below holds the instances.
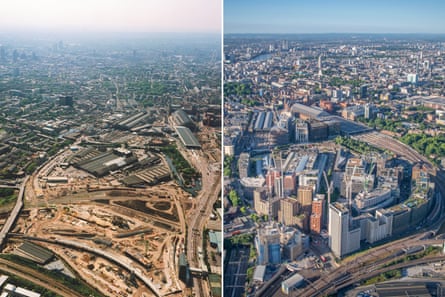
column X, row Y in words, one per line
column 334, row 16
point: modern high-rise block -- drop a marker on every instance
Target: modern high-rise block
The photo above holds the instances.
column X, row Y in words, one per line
column 304, row 196
column 343, row 238
column 289, row 210
column 318, row 213
column 268, row 245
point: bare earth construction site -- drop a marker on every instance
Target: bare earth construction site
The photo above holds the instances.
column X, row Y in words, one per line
column 122, row 240
column 110, row 183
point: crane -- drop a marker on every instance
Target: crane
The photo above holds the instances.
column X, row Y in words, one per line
column 349, row 194
column 329, row 187
column 366, row 181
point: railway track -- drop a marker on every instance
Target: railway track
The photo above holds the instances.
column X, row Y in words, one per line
column 385, row 142
column 38, row 278
column 364, row 275
column 367, row 264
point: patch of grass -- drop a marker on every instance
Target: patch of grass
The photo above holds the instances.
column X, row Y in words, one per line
column 392, row 274
column 182, row 166
column 356, row 145
column 249, row 273
column 7, row 196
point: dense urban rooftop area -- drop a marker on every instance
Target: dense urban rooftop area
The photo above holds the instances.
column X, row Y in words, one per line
column 339, row 138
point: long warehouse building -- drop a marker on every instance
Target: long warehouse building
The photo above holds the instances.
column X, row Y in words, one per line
column 187, row 138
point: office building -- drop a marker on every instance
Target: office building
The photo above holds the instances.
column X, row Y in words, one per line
column 337, row 95
column 260, row 201
column 278, row 186
column 318, row 204
column 304, row 197
column 353, row 112
column 369, row 111
column 420, row 176
column 66, row 100
column 318, row 131
column 293, row 242
column 355, row 178
column 268, row 246
column 289, row 210
column 302, row 221
column 316, row 223
column 412, row 78
column 229, row 146
column 271, row 176
column 310, row 178
column 289, row 184
column 318, row 213
column 264, row 204
column 365, row 199
column 301, row 132
column 363, row 91
column 285, row 45
column 344, row 238
column 379, row 227
column 250, row 184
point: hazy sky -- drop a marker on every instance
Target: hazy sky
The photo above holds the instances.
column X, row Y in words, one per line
column 111, row 15
column 334, row 16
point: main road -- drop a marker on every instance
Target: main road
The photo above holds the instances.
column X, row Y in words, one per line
column 14, row 213
column 211, row 187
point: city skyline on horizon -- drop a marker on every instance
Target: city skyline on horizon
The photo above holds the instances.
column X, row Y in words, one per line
column 325, row 17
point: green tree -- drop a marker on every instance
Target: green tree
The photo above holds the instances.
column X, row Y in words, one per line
column 234, row 198
column 254, row 217
column 228, row 165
